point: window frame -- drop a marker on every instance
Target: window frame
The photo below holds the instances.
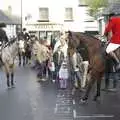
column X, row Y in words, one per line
column 42, row 17
column 68, row 18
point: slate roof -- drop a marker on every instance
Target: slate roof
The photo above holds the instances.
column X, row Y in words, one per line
column 112, row 7
column 8, row 19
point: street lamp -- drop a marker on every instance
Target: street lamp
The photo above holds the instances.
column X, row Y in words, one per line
column 21, row 15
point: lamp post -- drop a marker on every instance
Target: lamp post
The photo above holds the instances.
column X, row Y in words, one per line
column 21, row 15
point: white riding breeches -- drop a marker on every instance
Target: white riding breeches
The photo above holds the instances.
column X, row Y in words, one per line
column 112, row 47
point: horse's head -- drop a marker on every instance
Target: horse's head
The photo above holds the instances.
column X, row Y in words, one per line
column 73, row 42
column 21, row 46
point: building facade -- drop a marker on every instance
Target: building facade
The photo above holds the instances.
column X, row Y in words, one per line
column 52, row 17
column 12, row 23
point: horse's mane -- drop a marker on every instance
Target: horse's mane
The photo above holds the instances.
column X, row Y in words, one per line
column 11, row 42
column 91, row 37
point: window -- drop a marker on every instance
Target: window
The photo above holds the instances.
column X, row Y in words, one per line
column 68, row 14
column 44, row 14
column 81, row 3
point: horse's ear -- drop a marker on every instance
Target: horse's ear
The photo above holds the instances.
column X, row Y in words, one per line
column 69, row 33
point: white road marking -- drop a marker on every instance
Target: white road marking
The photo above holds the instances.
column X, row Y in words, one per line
column 74, row 113
column 95, row 116
column 73, row 102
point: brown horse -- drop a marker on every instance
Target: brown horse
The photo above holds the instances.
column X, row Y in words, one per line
column 96, row 59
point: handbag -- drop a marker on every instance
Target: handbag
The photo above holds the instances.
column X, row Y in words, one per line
column 51, row 66
column 63, row 72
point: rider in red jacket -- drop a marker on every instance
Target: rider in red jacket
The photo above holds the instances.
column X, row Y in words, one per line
column 113, row 26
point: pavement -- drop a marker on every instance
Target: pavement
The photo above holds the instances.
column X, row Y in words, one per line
column 32, row 100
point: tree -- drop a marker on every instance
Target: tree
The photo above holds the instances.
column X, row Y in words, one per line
column 94, row 5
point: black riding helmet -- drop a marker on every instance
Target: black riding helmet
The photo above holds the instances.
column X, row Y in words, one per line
column 24, row 29
column 112, row 13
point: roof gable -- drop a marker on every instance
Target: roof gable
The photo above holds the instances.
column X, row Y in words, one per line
column 8, row 19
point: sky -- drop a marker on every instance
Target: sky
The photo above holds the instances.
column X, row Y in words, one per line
column 16, row 6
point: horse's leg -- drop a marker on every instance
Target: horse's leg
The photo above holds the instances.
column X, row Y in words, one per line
column 12, row 79
column 7, row 74
column 23, row 59
column 107, row 82
column 115, row 80
column 8, row 82
column 88, row 88
column 90, row 84
column 29, row 58
column 98, row 79
column 19, row 55
column 98, row 90
column 26, row 57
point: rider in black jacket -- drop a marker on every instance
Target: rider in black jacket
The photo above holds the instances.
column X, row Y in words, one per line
column 3, row 35
column 3, row 39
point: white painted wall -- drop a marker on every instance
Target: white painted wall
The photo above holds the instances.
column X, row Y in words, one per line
column 56, row 11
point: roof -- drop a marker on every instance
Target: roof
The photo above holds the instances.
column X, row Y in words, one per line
column 112, row 8
column 8, row 19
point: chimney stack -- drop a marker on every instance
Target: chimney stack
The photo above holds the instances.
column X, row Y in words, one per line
column 9, row 10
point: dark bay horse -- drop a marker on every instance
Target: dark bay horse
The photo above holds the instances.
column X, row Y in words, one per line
column 96, row 58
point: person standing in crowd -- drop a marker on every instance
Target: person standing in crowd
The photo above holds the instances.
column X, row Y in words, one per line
column 53, row 42
column 61, row 42
column 58, row 58
column 25, row 34
column 77, row 69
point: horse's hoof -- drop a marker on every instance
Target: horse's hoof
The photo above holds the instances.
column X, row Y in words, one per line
column 82, row 89
column 8, row 87
column 44, row 79
column 53, row 81
column 13, row 86
column 83, row 101
column 39, row 80
column 112, row 90
column 96, row 98
column 104, row 89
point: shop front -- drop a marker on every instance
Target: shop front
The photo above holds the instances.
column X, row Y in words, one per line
column 45, row 30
